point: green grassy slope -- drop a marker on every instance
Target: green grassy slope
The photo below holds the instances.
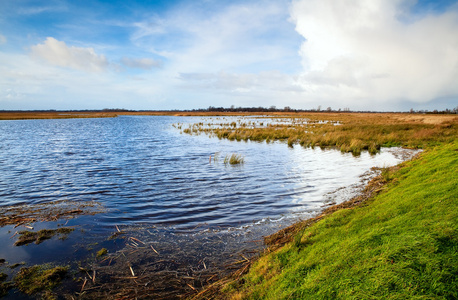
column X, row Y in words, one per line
column 402, row 244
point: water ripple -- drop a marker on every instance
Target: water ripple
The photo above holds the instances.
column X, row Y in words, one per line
column 144, row 171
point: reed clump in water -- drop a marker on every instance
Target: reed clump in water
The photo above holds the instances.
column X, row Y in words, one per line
column 234, row 159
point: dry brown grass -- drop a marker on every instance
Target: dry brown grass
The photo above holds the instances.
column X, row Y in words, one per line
column 25, row 115
column 356, row 131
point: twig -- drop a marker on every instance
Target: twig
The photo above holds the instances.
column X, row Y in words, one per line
column 117, row 228
column 89, row 275
column 243, row 270
column 84, row 284
column 235, row 263
column 154, row 249
column 106, row 258
column 135, row 239
column 132, row 271
column 187, row 277
column 244, row 257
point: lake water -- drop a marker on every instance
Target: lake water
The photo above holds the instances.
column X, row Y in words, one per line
column 144, row 171
column 160, row 186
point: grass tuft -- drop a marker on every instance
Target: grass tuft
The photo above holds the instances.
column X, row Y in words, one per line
column 234, row 159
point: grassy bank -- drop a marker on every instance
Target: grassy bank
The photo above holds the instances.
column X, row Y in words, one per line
column 400, row 244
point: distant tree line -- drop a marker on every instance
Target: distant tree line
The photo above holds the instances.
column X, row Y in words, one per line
column 318, row 109
column 246, row 109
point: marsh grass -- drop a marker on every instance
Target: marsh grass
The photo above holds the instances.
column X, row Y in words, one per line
column 348, row 132
column 234, row 159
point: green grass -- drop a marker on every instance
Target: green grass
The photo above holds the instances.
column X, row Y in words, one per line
column 401, row 244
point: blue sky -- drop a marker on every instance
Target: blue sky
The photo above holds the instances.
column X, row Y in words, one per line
column 363, row 55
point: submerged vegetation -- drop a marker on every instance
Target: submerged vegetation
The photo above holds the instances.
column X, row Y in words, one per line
column 400, row 244
column 51, row 211
column 39, row 278
column 27, row 237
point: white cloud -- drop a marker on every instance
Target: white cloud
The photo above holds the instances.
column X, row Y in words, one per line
column 25, row 83
column 364, row 51
column 229, row 37
column 263, row 82
column 57, row 53
column 141, row 63
column 2, row 39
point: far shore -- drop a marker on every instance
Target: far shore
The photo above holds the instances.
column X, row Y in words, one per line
column 426, row 118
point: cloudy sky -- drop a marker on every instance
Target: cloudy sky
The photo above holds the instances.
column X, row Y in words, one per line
column 364, row 55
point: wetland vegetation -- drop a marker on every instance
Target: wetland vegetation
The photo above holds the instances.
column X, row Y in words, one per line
column 397, row 240
column 234, row 159
column 349, row 132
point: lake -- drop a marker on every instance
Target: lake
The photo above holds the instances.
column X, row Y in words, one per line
column 168, row 185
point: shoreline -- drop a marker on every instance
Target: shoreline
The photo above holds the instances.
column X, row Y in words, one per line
column 190, row 275
column 412, row 206
column 279, row 239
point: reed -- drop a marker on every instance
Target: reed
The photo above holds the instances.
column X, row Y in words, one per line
column 234, row 159
column 348, row 132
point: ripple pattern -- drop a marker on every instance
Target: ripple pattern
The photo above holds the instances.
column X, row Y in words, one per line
column 144, row 171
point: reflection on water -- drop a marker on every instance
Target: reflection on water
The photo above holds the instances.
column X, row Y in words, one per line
column 144, row 171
